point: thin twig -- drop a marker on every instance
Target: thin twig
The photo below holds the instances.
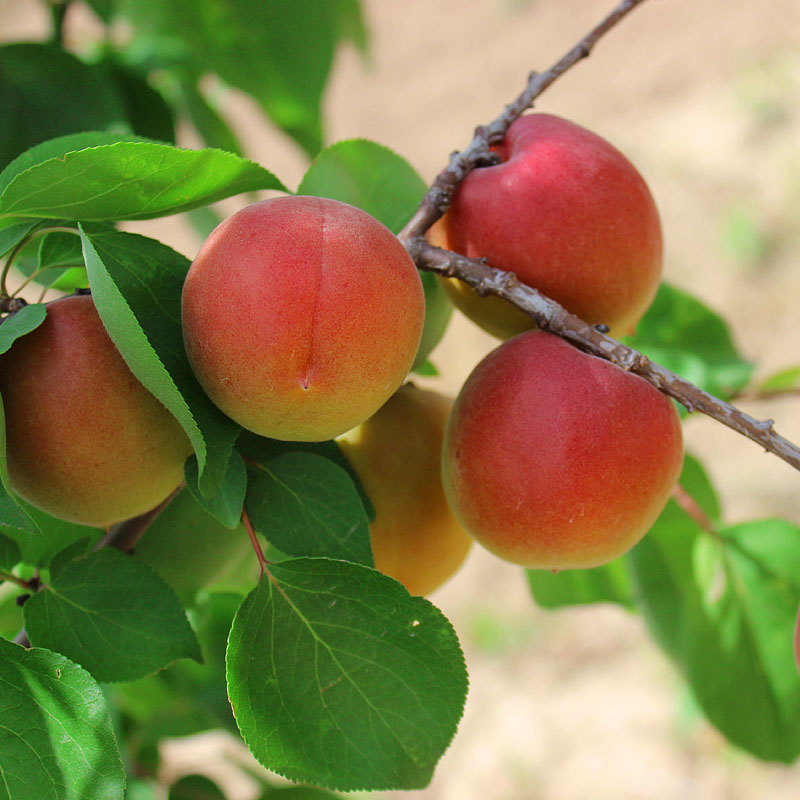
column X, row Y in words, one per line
column 438, row 197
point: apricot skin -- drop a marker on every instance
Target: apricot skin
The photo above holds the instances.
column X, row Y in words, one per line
column 86, row 442
column 301, row 316
column 569, row 215
column 557, row 459
column 397, row 456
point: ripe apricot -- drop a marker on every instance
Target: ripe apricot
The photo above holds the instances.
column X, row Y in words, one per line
column 569, row 215
column 557, row 459
column 397, row 456
column 301, row 316
column 85, row 441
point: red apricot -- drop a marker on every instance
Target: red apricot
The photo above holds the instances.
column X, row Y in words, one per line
column 301, row 317
column 85, row 441
column 569, row 215
column 557, row 459
column 397, row 456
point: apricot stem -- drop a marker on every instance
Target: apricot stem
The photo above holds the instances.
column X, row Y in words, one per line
column 694, row 510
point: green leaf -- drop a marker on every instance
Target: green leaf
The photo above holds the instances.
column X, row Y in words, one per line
column 213, row 129
column 226, row 505
column 56, row 738
column 307, row 506
column 54, row 535
column 685, row 336
column 426, row 369
column 357, row 171
column 113, row 615
column 14, row 519
column 350, row 22
column 12, row 235
column 278, row 56
column 130, row 180
column 141, row 789
column 10, row 613
column 145, row 108
column 188, row 697
column 76, row 549
column 195, row 787
column 47, row 92
column 260, row 449
column 58, row 148
column 787, row 380
column 18, row 324
column 136, row 286
column 338, row 677
column 438, row 311
column 9, row 553
column 723, row 606
column 610, row 583
column 192, row 550
column 299, row 793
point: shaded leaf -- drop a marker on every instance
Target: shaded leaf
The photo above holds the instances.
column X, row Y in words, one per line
column 226, row 505
column 307, row 506
column 112, row 614
column 23, row 321
column 48, row 92
column 9, row 553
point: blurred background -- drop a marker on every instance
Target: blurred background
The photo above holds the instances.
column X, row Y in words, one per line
column 705, row 99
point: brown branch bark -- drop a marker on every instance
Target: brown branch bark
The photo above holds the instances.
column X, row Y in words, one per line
column 124, row 535
column 478, row 153
column 548, row 314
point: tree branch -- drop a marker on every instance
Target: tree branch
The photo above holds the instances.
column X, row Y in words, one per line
column 124, row 535
column 438, row 197
column 548, row 314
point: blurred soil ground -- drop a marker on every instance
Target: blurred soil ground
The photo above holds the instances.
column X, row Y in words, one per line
column 705, row 99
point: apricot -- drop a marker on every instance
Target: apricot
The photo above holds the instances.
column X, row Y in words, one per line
column 86, row 442
column 301, row 317
column 191, row 550
column 397, row 456
column 557, row 459
column 569, row 215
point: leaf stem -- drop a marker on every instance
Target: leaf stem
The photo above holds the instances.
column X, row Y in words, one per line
column 11, row 578
column 248, row 525
column 21, row 245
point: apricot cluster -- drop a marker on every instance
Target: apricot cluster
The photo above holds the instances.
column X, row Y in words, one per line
column 553, row 458
column 302, row 317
